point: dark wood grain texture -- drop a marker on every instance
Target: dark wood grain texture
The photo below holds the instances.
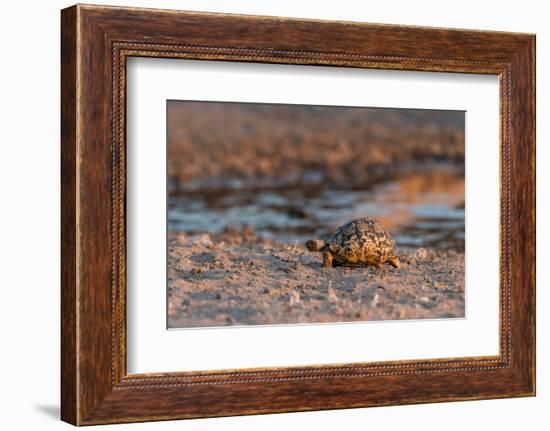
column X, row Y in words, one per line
column 96, row 41
column 69, row 368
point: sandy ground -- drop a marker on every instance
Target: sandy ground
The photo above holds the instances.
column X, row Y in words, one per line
column 236, row 278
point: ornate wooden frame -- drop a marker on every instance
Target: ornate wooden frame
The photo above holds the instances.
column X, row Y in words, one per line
column 95, row 43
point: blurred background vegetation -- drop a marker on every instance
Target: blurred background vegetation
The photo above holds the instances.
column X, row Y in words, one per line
column 295, row 171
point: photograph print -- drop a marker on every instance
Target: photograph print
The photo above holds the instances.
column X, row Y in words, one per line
column 299, row 214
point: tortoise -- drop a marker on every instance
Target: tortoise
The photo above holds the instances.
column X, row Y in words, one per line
column 360, row 242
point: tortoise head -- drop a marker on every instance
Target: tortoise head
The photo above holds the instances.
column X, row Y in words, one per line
column 315, row 245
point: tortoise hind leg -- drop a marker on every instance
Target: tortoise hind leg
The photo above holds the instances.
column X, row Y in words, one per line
column 379, row 267
column 395, row 262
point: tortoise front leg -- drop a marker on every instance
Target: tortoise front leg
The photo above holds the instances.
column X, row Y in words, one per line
column 327, row 259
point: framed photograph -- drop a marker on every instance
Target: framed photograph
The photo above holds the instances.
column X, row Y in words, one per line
column 264, row 215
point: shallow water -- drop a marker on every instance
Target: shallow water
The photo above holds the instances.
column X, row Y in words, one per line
column 420, row 209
